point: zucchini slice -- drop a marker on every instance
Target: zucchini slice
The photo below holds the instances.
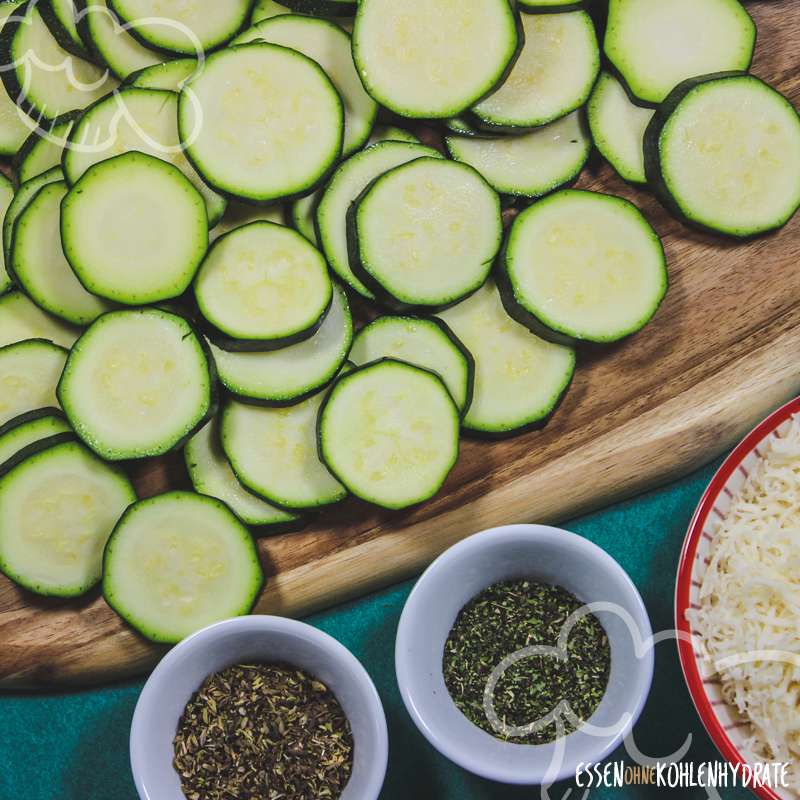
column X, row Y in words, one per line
column 424, row 342
column 550, row 6
column 347, row 183
column 239, row 214
column 154, row 233
column 183, row 27
column 21, row 319
column 389, row 432
column 329, row 46
column 531, row 164
column 43, row 149
column 655, row 45
column 39, row 75
column 177, row 562
column 266, row 9
column 723, row 153
column 519, row 378
column 425, row 234
column 281, row 136
column 303, row 212
column 285, row 376
column 6, row 198
column 618, row 127
column 134, row 119
column 583, row 266
column 273, row 452
column 324, row 8
column 429, row 58
column 29, row 428
column 263, row 286
column 61, row 16
column 39, row 265
column 553, row 75
column 15, row 126
column 137, row 383
column 211, row 474
column 169, row 76
column 58, row 506
column 391, row 133
column 29, row 372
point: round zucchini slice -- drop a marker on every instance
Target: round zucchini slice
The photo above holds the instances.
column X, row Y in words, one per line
column 655, row 45
column 6, row 198
column 29, row 372
column 177, row 562
column 262, row 122
column 273, row 452
column 425, row 234
column 553, row 75
column 154, row 230
column 428, row 58
column 583, row 266
column 29, row 428
column 44, row 147
column 347, row 183
column 519, row 378
column 238, row 214
column 58, row 506
column 723, row 153
column 39, row 265
column 21, row 318
column 424, row 342
column 137, row 383
column 211, row 474
column 263, row 286
column 329, row 46
column 618, row 127
column 283, row 377
column 389, row 432
column 531, row 164
column 169, row 76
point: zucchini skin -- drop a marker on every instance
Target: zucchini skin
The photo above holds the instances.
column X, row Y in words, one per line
column 322, row 8
column 9, row 74
column 30, row 416
column 30, row 143
column 468, row 357
column 534, row 8
column 61, row 36
column 34, row 448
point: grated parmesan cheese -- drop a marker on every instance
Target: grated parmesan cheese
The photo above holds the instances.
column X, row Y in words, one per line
column 749, row 615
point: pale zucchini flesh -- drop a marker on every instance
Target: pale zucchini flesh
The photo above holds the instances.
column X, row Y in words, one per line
column 238, row 214
column 29, row 428
column 43, row 150
column 21, row 319
column 169, row 76
column 15, row 125
column 61, row 16
column 6, row 199
column 177, row 562
column 303, row 213
column 391, row 133
column 266, row 9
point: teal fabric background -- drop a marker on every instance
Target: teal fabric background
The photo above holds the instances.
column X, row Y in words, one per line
column 75, row 746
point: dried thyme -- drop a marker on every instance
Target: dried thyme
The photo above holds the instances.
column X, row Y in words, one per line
column 263, row 732
column 506, row 618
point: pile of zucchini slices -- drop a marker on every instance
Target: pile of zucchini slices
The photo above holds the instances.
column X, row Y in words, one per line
column 201, row 189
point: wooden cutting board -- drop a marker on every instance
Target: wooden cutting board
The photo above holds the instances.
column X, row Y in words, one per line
column 723, row 350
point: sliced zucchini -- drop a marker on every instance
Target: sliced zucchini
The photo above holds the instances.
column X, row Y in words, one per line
column 325, row 8
column 266, row 9
column 391, row 133
column 425, row 342
column 29, row 372
column 134, row 119
column 550, row 6
column 656, row 45
column 29, row 428
column 6, row 198
column 154, row 233
column 618, row 127
column 21, row 319
column 273, row 452
column 15, row 126
column 389, row 432
column 262, row 122
column 531, row 164
column 181, row 27
column 169, row 76
column 464, row 127
column 347, row 183
column 39, row 265
column 519, row 378
column 211, row 474
column 425, row 234
column 303, row 213
column 427, row 58
column 553, row 75
column 285, row 376
column 61, row 16
column 723, row 152
column 329, row 46
column 137, row 383
column 238, row 214
column 58, row 506
column 177, row 562
column 43, row 148
column 583, row 266
column 262, row 287
column 39, row 75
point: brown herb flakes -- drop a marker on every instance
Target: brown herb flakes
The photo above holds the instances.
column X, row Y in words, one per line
column 263, row 732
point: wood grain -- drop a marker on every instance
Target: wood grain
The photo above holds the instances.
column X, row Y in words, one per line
column 723, row 350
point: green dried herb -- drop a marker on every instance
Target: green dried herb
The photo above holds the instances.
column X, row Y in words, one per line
column 263, row 732
column 506, row 618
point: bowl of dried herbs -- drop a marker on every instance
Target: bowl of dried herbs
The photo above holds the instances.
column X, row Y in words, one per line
column 523, row 652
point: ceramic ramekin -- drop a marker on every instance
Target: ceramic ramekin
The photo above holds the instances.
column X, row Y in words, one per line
column 254, row 639
column 540, row 553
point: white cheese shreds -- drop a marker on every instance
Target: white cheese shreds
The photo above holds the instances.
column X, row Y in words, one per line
column 748, row 618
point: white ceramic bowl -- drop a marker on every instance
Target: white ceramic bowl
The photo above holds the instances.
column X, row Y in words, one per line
column 249, row 639
column 540, row 553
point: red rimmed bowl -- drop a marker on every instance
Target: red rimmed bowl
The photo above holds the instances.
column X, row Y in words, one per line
column 721, row 721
